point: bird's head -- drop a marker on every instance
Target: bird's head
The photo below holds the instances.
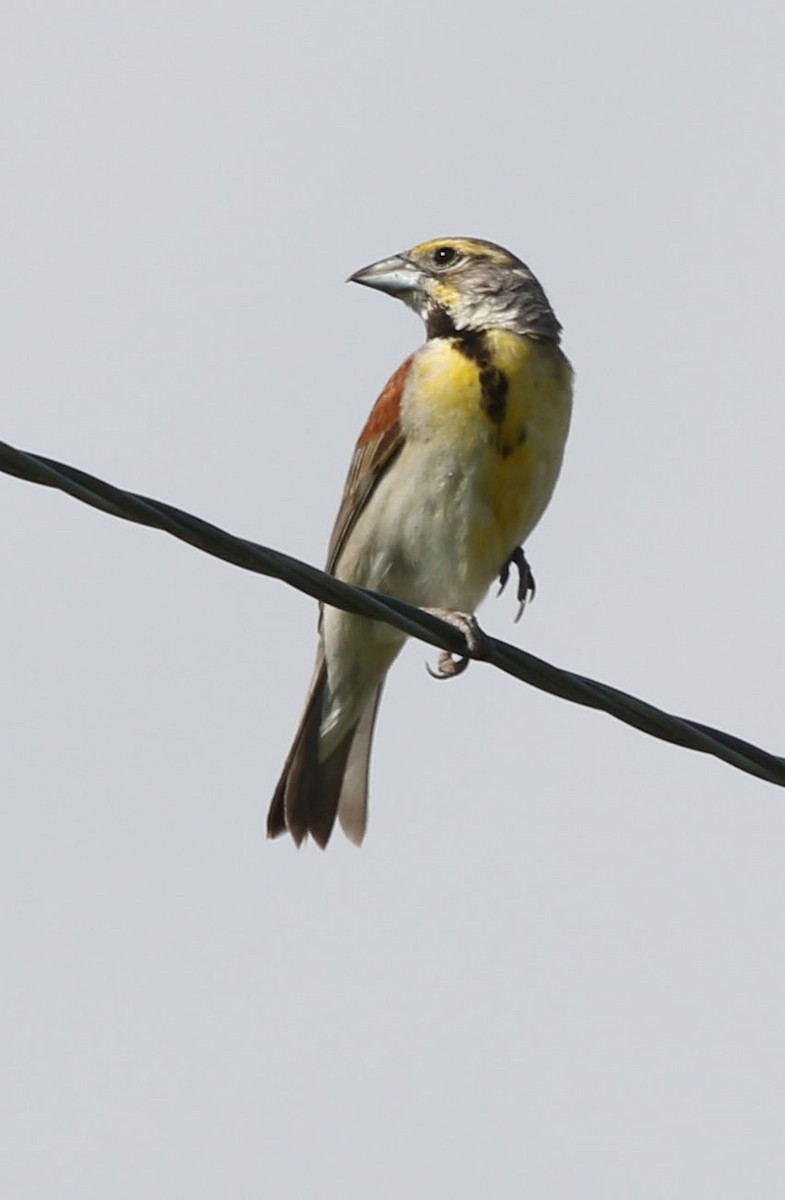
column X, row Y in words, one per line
column 458, row 283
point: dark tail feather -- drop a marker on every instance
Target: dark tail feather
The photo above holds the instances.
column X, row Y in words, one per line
column 308, row 792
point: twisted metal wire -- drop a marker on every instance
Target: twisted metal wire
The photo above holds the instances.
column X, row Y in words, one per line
column 578, row 689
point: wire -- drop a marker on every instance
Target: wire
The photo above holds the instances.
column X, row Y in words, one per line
column 410, row 620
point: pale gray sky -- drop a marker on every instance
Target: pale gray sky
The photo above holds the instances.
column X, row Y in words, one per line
column 555, row 969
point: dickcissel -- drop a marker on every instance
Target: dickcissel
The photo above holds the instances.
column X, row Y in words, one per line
column 453, row 469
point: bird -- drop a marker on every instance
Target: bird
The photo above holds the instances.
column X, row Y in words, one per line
column 452, row 470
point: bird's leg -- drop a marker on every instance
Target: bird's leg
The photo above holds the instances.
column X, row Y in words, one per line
column 526, row 584
column 449, row 665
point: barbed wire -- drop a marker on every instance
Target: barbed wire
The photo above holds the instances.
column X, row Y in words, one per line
column 416, row 622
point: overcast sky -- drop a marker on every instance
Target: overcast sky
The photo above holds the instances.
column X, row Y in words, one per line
column 555, row 969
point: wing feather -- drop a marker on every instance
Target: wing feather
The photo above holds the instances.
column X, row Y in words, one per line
column 378, row 444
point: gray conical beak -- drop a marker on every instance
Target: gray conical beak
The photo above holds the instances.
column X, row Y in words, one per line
column 395, row 275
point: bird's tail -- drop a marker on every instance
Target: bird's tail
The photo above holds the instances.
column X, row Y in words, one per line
column 311, row 792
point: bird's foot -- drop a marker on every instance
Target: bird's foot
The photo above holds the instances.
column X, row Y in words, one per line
column 448, row 664
column 526, row 585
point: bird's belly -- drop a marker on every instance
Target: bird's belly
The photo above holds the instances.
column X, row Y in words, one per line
column 466, row 489
column 477, row 469
column 441, row 525
column 451, row 545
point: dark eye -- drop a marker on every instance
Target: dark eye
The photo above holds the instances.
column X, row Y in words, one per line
column 443, row 256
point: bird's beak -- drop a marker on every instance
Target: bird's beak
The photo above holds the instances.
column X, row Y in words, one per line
column 396, row 276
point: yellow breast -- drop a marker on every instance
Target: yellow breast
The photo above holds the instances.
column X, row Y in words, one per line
column 494, row 409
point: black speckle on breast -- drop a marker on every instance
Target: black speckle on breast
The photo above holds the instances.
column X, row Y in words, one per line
column 494, row 384
column 507, row 446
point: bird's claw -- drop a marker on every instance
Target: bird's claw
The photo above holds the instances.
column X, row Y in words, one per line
column 526, row 585
column 449, row 665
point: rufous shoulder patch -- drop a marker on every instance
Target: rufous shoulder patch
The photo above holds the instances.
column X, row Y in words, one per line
column 386, row 412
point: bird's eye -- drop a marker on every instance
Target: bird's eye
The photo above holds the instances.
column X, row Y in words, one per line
column 444, row 256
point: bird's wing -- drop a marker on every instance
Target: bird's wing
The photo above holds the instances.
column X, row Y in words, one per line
column 378, row 444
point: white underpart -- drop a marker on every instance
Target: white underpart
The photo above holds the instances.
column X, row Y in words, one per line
column 427, row 536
